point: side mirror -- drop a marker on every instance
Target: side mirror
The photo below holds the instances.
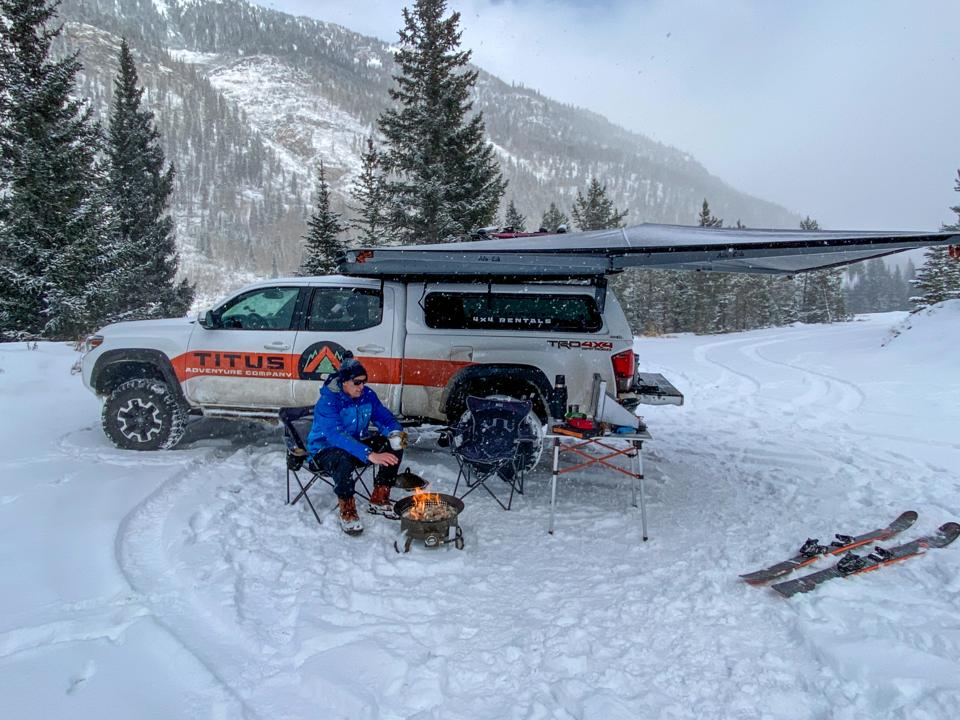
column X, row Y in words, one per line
column 205, row 319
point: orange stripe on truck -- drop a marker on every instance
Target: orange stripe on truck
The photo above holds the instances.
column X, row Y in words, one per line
column 283, row 366
column 431, row 373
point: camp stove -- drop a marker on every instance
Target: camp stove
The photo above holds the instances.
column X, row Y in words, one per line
column 430, row 517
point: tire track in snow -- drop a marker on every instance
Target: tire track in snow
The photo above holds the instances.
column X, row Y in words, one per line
column 909, row 439
column 139, row 548
column 851, row 396
column 851, row 458
column 703, row 355
column 209, row 618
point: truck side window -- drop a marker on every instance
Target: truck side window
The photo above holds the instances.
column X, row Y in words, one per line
column 261, row 309
column 335, row 309
column 511, row 311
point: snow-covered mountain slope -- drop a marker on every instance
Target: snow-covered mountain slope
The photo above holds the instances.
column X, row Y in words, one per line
column 179, row 585
column 250, row 99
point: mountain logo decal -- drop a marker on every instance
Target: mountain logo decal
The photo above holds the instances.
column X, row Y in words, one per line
column 320, row 360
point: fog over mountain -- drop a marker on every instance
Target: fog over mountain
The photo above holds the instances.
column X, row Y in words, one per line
column 249, row 100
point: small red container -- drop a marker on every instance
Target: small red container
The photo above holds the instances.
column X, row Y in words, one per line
column 581, row 424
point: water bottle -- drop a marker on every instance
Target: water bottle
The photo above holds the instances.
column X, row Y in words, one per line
column 558, row 401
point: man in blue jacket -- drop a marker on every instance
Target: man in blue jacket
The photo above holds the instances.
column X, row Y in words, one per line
column 339, row 441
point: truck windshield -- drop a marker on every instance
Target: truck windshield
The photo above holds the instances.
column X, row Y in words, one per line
column 512, row 311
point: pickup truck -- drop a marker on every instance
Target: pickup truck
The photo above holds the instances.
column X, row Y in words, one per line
column 426, row 347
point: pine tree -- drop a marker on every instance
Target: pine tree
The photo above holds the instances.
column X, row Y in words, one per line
column 324, row 225
column 712, row 294
column 138, row 188
column 706, row 218
column 445, row 179
column 899, row 293
column 821, row 291
column 513, row 219
column 909, row 275
column 596, row 210
column 553, row 218
column 938, row 279
column 51, row 210
column 368, row 199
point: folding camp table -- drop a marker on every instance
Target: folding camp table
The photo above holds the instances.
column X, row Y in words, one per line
column 610, row 456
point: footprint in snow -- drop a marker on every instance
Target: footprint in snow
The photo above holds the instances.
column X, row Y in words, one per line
column 89, row 669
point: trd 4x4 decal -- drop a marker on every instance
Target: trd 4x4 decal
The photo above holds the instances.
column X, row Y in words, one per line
column 319, row 360
column 582, row 345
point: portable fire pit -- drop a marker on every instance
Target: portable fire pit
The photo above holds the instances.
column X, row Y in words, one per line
column 431, row 517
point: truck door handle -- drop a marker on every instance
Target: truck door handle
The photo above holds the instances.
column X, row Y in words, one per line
column 370, row 348
column 277, row 346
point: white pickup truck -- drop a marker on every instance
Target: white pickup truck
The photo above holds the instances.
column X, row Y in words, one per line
column 426, row 347
column 428, row 343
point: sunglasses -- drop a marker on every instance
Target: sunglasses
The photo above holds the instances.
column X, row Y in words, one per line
column 359, row 382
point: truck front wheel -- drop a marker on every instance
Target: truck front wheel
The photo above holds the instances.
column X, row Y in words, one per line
column 143, row 414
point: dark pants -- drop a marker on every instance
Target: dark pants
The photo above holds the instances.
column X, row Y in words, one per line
column 339, row 465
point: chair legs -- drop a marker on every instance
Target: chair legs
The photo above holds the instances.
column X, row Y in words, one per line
column 473, row 478
column 305, row 489
column 302, row 493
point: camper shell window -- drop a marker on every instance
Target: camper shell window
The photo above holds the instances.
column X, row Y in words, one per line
column 503, row 311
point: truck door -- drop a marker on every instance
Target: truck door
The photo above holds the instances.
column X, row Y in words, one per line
column 348, row 318
column 244, row 359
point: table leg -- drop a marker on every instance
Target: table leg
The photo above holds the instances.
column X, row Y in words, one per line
column 643, row 501
column 553, row 480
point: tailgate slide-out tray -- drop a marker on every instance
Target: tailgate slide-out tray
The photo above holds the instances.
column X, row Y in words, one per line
column 655, row 389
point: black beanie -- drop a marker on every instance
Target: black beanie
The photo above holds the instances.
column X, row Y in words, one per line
column 351, row 368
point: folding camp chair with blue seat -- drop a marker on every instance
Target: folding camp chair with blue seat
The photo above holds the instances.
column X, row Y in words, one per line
column 488, row 443
column 296, row 427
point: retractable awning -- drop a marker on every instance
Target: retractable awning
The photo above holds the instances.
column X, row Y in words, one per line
column 658, row 247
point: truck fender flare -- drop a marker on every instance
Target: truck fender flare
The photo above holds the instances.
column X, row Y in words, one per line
column 154, row 358
column 456, row 390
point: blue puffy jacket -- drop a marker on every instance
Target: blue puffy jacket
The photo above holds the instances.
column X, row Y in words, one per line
column 340, row 421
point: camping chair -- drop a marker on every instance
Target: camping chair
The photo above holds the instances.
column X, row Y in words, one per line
column 488, row 443
column 296, row 426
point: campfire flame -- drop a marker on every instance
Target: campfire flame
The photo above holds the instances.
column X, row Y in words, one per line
column 422, row 500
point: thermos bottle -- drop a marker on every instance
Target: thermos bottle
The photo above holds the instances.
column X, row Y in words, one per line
column 558, row 403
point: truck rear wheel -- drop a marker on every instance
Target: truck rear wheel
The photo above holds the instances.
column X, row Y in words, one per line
column 143, row 414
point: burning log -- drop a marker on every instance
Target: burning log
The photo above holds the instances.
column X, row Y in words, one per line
column 429, row 507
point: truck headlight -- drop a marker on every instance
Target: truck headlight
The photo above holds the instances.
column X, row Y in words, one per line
column 91, row 342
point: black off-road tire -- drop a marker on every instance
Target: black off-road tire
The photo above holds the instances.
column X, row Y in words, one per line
column 143, row 414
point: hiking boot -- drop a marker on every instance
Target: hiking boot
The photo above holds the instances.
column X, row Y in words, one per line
column 349, row 520
column 380, row 501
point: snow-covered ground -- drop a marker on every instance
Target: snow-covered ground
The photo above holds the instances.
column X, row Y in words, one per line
column 179, row 585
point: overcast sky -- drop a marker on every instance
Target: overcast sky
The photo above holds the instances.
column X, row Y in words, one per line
column 846, row 110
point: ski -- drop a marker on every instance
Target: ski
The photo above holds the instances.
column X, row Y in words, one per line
column 853, row 564
column 812, row 549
